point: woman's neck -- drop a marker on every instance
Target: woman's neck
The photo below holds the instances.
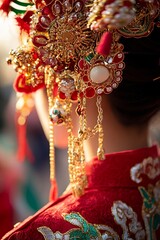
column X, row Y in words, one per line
column 120, row 138
column 117, row 137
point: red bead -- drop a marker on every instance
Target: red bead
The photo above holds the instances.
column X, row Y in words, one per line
column 55, row 90
column 118, row 58
column 85, row 79
column 90, row 92
column 35, row 55
column 74, row 96
column 62, row 95
column 81, row 64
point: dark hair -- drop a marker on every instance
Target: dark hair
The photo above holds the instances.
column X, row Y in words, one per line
column 137, row 98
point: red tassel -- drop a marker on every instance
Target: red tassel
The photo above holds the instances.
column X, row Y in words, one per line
column 104, row 45
column 23, row 150
column 53, row 191
column 21, row 142
column 5, row 6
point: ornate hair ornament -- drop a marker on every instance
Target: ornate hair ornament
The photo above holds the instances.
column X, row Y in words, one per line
column 73, row 50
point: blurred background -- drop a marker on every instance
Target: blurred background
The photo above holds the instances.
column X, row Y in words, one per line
column 24, row 186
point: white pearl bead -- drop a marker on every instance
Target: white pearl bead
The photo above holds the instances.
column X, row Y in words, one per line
column 99, row 74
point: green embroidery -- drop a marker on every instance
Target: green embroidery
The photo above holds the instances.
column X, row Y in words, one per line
column 150, row 209
column 86, row 231
column 149, row 201
column 156, row 222
column 123, row 215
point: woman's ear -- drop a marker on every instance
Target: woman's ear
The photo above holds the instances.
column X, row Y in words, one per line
column 41, row 104
column 60, row 132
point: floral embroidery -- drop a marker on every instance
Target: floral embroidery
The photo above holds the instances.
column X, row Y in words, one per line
column 86, row 231
column 149, row 167
column 124, row 215
column 151, row 209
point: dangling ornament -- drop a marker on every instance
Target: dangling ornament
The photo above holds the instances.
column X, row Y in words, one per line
column 67, row 83
column 58, row 113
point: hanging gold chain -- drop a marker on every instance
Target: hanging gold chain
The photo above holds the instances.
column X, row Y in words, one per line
column 49, row 87
column 100, row 151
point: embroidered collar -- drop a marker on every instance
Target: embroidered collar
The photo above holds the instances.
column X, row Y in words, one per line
column 115, row 170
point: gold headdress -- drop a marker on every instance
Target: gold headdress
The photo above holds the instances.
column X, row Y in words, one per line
column 73, row 50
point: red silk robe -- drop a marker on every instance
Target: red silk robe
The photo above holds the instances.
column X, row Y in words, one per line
column 122, row 201
column 6, row 212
